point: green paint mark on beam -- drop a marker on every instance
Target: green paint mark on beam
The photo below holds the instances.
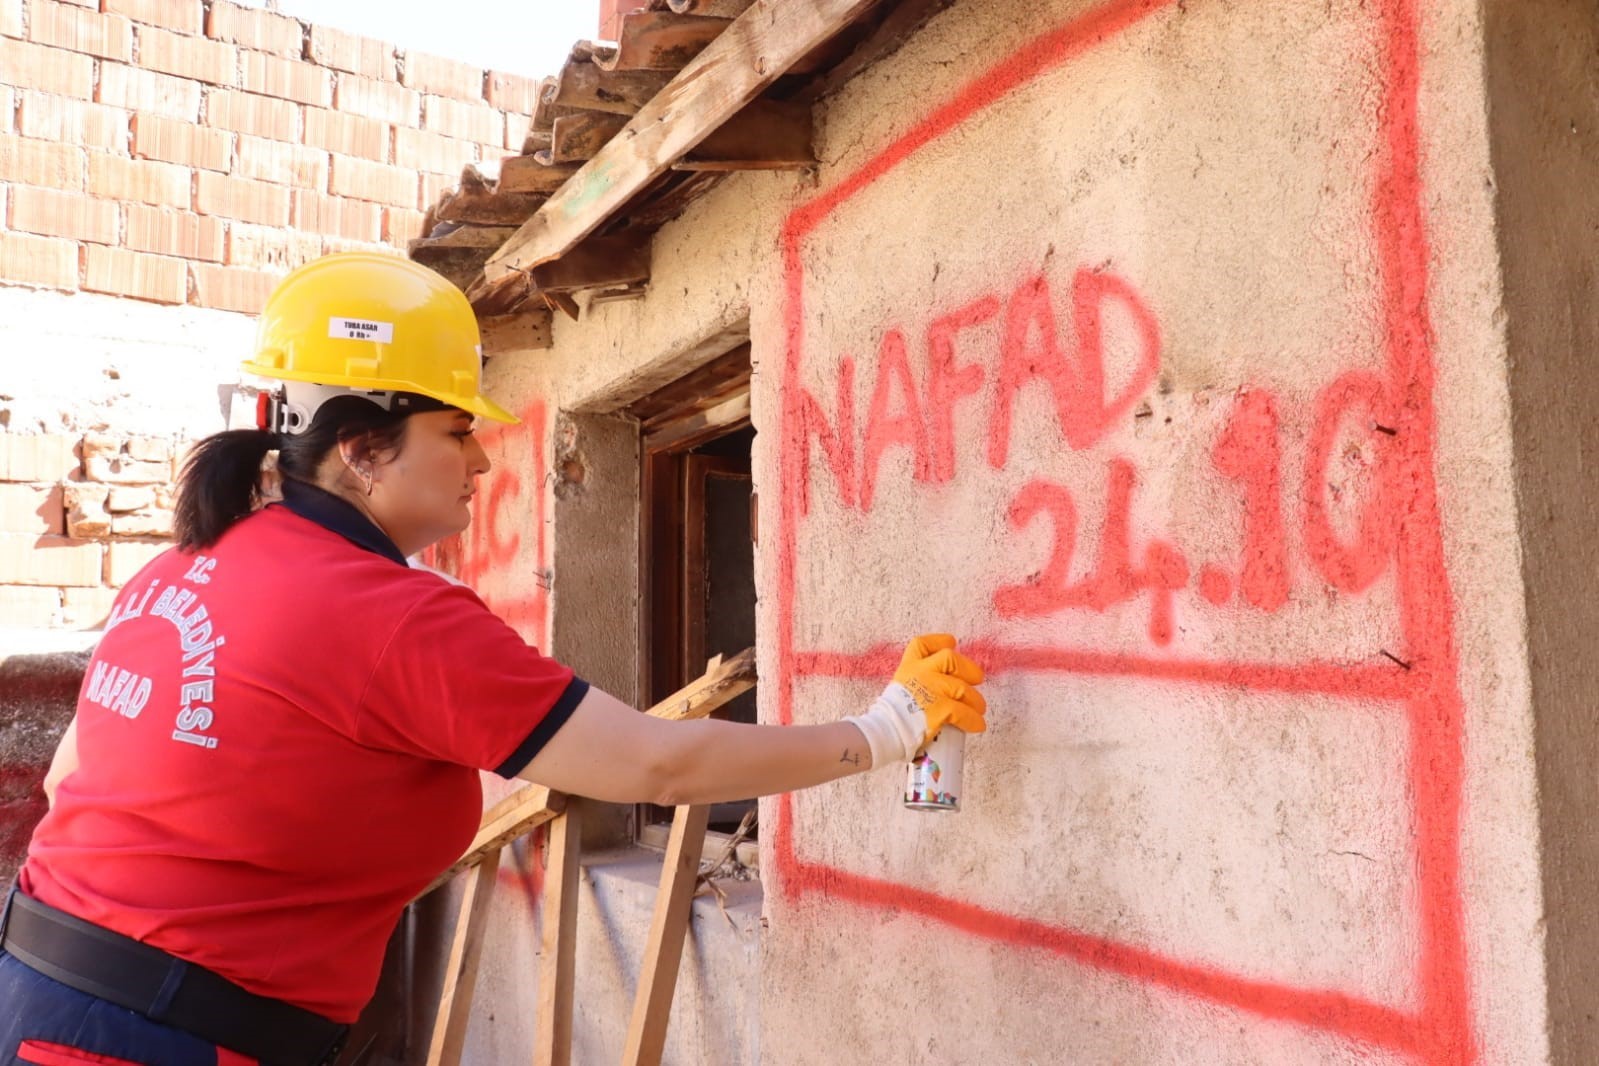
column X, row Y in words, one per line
column 595, row 186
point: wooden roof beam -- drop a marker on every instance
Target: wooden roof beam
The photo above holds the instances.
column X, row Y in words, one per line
column 661, row 40
column 756, row 49
column 588, row 87
column 767, row 135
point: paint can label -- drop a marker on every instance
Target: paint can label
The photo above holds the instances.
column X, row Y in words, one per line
column 933, row 780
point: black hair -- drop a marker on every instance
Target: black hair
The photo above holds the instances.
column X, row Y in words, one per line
column 221, row 480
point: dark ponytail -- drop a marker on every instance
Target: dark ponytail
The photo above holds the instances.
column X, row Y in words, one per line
column 221, row 481
column 220, row 484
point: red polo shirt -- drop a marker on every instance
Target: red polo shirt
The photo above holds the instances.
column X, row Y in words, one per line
column 279, row 742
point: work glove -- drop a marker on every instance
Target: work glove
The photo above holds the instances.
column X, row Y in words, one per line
column 935, row 686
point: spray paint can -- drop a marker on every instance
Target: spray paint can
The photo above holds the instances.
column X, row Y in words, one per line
column 933, row 780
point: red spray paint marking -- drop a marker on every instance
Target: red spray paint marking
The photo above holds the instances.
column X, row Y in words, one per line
column 884, row 429
column 1441, row 1031
column 1250, row 451
column 948, row 381
column 492, row 555
column 1351, row 567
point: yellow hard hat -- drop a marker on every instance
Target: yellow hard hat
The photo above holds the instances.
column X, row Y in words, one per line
column 370, row 322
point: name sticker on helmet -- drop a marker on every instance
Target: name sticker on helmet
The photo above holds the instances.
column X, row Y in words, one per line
column 360, row 329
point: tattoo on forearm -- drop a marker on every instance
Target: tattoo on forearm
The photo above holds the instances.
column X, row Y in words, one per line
column 853, row 758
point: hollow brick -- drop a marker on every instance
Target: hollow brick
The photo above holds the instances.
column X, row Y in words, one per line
column 37, row 456
column 181, row 15
column 355, row 135
column 31, row 509
column 213, row 62
column 433, row 152
column 137, row 89
column 469, row 122
column 155, row 137
column 241, row 198
column 139, row 180
column 283, row 164
column 447, row 77
column 253, row 28
column 51, row 70
column 25, row 161
column 352, row 53
column 232, row 288
column 512, row 92
column 10, row 18
column 124, row 559
column 165, row 231
column 262, row 116
column 377, row 99
column 516, row 130
column 53, row 213
column 69, row 121
column 286, row 79
column 51, row 262
column 266, row 248
column 78, row 30
column 362, row 179
column 333, row 216
column 400, row 225
column 158, row 278
column 26, row 559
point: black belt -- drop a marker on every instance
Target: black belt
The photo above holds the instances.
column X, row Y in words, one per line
column 164, row 988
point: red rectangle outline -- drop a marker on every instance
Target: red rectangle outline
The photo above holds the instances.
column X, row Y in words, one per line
column 1440, row 1030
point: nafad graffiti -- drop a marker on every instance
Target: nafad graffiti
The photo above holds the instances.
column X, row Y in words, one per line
column 1387, row 532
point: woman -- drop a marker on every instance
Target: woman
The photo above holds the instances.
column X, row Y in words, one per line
column 277, row 743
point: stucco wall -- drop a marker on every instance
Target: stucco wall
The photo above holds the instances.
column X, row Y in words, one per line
column 1160, row 350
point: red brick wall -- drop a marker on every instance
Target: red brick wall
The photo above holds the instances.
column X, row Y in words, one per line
column 190, row 153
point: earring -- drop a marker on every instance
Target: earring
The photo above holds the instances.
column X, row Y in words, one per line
column 366, row 475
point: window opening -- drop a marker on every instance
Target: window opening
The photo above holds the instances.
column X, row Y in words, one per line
column 698, row 551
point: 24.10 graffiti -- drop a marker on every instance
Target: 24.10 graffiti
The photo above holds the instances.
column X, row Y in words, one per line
column 1348, row 555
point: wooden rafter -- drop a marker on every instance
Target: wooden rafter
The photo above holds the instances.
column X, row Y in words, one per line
column 525, row 174
column 588, row 87
column 662, row 40
column 757, row 48
column 766, row 135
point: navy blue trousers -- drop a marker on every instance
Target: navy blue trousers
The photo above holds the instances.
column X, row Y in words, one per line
column 45, row 1023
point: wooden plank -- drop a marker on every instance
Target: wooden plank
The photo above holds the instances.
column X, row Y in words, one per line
column 558, row 971
column 719, row 685
column 524, row 331
column 580, row 136
column 460, row 973
column 597, row 263
column 526, row 174
column 662, row 40
column 517, row 814
column 663, row 954
column 488, row 208
column 766, row 135
column 753, row 52
column 710, row 423
column 905, row 19
column 544, row 109
column 588, row 87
